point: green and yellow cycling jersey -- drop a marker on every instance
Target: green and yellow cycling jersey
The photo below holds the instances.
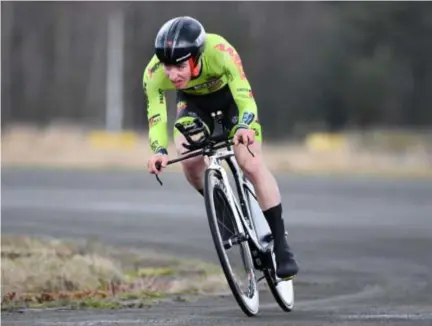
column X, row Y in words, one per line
column 221, row 66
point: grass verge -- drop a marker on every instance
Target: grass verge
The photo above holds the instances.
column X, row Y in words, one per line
column 48, row 272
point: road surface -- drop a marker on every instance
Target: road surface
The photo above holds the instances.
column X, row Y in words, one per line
column 363, row 244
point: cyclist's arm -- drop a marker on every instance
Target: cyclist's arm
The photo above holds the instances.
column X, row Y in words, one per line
column 156, row 113
column 239, row 85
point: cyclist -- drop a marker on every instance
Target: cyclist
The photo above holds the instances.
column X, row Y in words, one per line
column 207, row 74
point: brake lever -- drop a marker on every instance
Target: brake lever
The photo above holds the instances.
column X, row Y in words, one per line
column 248, row 148
column 158, row 167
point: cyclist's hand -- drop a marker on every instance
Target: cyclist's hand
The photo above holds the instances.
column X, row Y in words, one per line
column 157, row 160
column 244, row 136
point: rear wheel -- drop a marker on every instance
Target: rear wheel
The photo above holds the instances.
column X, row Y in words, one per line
column 226, row 238
column 282, row 291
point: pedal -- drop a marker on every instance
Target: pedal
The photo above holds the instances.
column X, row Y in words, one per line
column 242, row 237
column 279, row 280
column 227, row 244
column 267, row 238
column 234, row 240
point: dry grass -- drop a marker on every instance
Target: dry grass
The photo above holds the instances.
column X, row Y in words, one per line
column 70, row 147
column 52, row 272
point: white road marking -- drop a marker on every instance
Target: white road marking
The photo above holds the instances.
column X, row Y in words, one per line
column 419, row 316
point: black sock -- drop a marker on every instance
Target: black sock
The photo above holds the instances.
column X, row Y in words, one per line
column 274, row 219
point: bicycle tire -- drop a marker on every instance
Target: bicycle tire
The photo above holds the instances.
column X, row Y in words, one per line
column 279, row 293
column 283, row 296
column 250, row 306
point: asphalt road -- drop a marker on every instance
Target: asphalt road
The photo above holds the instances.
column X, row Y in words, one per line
column 363, row 244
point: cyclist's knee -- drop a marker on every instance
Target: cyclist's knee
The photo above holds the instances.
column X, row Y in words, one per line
column 193, row 165
column 193, row 169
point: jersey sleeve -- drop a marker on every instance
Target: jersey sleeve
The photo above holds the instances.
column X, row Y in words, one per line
column 156, row 109
column 238, row 83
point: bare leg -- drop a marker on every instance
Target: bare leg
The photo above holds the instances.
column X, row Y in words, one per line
column 269, row 198
column 193, row 168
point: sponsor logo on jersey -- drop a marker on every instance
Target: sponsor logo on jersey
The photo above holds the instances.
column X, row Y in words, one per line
column 242, row 92
column 145, row 92
column 152, row 70
column 212, row 84
column 235, row 56
column 155, row 146
column 248, row 118
column 181, row 105
column 154, row 120
column 161, row 96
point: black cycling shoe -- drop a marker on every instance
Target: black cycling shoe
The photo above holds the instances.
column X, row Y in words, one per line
column 286, row 265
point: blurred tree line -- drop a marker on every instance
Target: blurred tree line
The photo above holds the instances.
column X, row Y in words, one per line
column 312, row 65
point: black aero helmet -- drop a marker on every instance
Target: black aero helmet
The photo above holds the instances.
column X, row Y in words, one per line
column 180, row 39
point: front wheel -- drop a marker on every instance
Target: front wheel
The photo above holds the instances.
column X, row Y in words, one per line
column 220, row 214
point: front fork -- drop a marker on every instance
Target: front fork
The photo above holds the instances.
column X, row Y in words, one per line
column 261, row 258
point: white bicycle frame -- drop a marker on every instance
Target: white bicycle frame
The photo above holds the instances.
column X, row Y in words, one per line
column 260, row 229
column 214, row 164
